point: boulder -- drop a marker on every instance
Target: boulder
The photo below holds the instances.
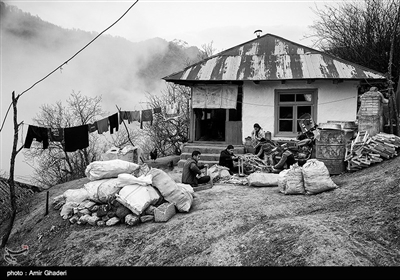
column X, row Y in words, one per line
column 92, row 220
column 132, row 220
column 146, row 218
column 122, row 211
column 112, row 221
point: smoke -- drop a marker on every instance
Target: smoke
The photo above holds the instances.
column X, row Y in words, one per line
column 122, row 72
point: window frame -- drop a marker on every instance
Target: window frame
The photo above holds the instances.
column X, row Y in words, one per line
column 295, row 104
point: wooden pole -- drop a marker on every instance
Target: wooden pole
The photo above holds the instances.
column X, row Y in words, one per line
column 47, row 203
column 127, row 131
column 10, row 180
column 392, row 102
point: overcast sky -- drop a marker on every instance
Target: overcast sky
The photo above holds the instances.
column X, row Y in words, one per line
column 225, row 23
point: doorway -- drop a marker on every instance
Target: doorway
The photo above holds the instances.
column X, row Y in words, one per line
column 210, row 124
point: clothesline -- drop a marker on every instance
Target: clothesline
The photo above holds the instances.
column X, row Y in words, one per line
column 77, row 137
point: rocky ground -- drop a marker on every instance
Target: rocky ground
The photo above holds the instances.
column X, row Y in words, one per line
column 356, row 224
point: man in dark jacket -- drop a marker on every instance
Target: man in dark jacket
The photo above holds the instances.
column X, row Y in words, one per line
column 191, row 171
column 226, row 159
column 286, row 157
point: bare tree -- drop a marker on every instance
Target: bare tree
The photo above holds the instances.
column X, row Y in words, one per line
column 207, row 50
column 54, row 165
column 167, row 134
column 361, row 32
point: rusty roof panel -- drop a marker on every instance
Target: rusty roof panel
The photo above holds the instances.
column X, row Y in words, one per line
column 270, row 57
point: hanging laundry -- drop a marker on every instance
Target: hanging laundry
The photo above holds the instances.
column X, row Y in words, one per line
column 125, row 115
column 113, row 122
column 171, row 110
column 135, row 116
column 102, row 125
column 157, row 110
column 92, row 127
column 147, row 115
column 56, row 134
column 39, row 134
column 76, row 138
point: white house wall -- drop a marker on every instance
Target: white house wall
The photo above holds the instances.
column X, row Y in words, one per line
column 334, row 102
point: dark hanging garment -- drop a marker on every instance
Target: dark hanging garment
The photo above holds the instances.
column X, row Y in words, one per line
column 135, row 115
column 56, row 134
column 76, row 137
column 147, row 116
column 125, row 115
column 92, row 127
column 157, row 110
column 113, row 122
column 102, row 125
column 38, row 133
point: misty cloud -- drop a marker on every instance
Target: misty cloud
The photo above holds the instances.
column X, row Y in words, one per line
column 122, row 72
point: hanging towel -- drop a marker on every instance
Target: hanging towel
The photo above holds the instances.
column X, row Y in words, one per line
column 147, row 115
column 157, row 110
column 102, row 125
column 113, row 122
column 38, row 133
column 92, row 127
column 135, row 116
column 171, row 110
column 125, row 115
column 76, row 138
column 56, row 134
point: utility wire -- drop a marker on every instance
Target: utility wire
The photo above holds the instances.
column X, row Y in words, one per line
column 60, row 67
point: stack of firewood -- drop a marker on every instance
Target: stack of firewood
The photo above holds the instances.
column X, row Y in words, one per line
column 252, row 163
column 365, row 150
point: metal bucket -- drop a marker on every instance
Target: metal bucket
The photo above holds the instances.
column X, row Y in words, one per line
column 349, row 128
column 330, row 149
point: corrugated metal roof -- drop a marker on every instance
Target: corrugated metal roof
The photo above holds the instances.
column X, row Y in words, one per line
column 270, row 57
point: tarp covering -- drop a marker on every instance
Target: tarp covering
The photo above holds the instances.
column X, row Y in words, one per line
column 215, row 97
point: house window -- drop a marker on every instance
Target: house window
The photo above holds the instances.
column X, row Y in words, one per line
column 290, row 106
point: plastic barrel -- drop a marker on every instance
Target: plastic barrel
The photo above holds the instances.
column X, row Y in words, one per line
column 330, row 149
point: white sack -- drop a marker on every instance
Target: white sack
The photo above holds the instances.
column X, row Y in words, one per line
column 128, row 179
column 155, row 196
column 282, row 180
column 316, row 177
column 292, row 182
column 188, row 187
column 171, row 192
column 134, row 197
column 92, row 188
column 68, row 209
column 260, row 179
column 109, row 169
column 76, row 195
column 217, row 171
column 107, row 188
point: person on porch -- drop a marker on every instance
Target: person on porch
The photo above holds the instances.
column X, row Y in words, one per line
column 191, row 173
column 256, row 135
column 227, row 158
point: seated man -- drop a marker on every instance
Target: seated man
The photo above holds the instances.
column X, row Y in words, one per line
column 191, row 171
column 226, row 159
column 286, row 157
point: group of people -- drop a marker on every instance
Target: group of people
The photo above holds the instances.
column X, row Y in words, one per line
column 266, row 149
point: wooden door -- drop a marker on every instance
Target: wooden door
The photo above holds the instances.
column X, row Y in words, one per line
column 233, row 132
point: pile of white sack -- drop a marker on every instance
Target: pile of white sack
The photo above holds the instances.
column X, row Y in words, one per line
column 124, row 192
column 312, row 178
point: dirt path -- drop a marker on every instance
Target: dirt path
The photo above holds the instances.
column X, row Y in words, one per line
column 234, row 225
